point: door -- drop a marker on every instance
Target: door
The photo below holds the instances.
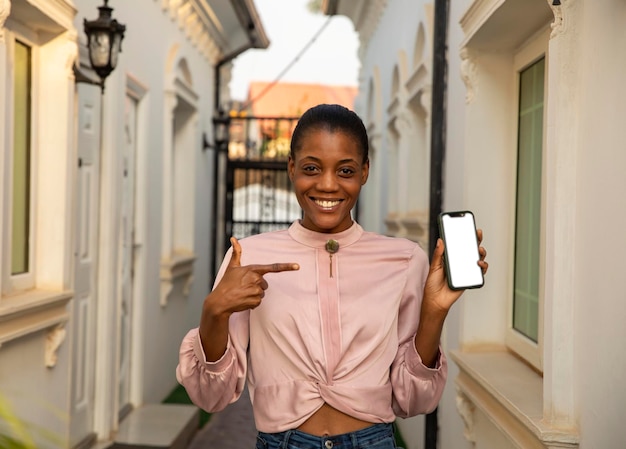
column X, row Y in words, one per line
column 85, row 266
column 127, row 255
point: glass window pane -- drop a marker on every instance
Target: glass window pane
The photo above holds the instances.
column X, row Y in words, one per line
column 21, row 160
column 528, row 205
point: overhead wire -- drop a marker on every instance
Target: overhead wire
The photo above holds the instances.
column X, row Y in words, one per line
column 288, row 67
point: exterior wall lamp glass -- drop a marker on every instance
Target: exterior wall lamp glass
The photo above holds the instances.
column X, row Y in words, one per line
column 221, row 132
column 104, row 43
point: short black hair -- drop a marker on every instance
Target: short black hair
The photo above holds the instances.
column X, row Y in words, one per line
column 331, row 117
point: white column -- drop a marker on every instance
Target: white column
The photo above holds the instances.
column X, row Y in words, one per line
column 562, row 141
column 55, row 153
column 167, row 242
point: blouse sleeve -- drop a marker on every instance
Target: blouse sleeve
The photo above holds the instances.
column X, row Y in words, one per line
column 417, row 388
column 213, row 385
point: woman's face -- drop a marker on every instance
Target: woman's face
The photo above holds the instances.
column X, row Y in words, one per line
column 327, row 173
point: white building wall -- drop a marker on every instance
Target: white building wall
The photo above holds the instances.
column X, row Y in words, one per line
column 151, row 60
column 600, row 306
column 395, row 105
column 391, row 52
column 493, row 400
column 168, row 58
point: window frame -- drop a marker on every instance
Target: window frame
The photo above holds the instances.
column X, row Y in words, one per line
column 38, row 302
column 530, row 52
column 17, row 283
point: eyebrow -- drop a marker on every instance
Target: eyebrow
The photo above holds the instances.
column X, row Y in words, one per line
column 343, row 161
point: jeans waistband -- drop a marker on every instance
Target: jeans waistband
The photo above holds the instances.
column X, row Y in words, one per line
column 360, row 438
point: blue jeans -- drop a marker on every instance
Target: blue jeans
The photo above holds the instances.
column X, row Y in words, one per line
column 377, row 436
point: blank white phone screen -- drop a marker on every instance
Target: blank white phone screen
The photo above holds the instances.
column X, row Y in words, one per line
column 462, row 250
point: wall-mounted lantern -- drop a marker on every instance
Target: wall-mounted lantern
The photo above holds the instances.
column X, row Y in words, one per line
column 104, row 44
column 221, row 124
column 221, row 132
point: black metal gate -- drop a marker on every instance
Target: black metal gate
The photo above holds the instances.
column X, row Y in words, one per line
column 257, row 195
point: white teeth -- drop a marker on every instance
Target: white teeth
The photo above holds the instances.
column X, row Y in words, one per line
column 327, row 204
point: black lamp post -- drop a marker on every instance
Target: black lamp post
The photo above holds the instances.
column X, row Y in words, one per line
column 104, row 42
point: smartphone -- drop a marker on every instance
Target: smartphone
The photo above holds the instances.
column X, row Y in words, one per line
column 458, row 231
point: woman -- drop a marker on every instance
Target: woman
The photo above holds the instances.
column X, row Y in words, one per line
column 341, row 334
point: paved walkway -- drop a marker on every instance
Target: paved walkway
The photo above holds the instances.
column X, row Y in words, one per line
column 232, row 428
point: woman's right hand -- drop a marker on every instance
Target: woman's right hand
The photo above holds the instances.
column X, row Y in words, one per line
column 241, row 288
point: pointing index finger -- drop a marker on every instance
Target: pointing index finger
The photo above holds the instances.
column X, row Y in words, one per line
column 274, row 268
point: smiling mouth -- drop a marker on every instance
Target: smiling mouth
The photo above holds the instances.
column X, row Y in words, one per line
column 327, row 205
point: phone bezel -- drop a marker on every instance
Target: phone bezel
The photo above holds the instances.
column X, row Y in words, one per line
column 445, row 262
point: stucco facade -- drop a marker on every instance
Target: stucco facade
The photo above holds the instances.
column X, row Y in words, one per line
column 506, row 390
column 119, row 204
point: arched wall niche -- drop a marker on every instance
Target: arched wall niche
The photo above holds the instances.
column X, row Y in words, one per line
column 181, row 140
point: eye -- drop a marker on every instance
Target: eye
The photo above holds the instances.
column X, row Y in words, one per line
column 346, row 171
column 309, row 169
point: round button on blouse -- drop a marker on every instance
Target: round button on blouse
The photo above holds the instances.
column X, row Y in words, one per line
column 332, row 246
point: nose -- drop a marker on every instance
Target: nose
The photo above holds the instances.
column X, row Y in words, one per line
column 328, row 181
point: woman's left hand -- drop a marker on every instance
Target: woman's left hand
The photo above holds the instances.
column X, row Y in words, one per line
column 437, row 294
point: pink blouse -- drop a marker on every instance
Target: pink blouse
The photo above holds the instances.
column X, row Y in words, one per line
column 344, row 338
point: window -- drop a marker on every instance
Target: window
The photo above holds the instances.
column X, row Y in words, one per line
column 35, row 154
column 524, row 200
column 20, row 210
column 19, row 183
column 528, row 204
column 524, row 332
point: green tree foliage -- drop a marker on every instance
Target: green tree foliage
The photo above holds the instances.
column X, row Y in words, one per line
column 315, row 6
column 17, row 434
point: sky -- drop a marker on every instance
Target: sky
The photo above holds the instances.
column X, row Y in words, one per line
column 331, row 59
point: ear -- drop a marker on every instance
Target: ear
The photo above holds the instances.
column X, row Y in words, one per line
column 291, row 168
column 365, row 171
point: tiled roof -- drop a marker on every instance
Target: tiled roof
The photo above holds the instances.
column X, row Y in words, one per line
column 292, row 99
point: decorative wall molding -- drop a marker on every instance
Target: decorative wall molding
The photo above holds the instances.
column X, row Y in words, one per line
column 419, row 81
column 394, row 108
column 198, row 22
column 476, row 15
column 173, row 7
column 367, row 19
column 466, row 409
column 375, row 140
column 5, row 10
column 486, row 23
column 393, row 224
column 178, row 269
column 72, row 55
column 426, row 95
column 415, row 225
column 469, row 73
column 519, row 418
column 32, row 312
column 403, row 123
column 54, row 338
column 557, row 25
